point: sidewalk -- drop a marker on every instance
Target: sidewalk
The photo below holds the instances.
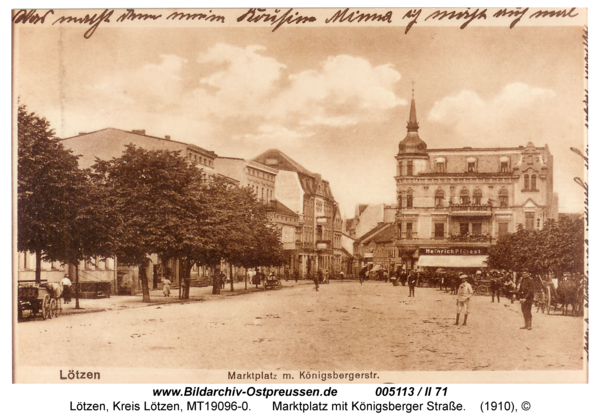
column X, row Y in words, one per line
column 197, row 294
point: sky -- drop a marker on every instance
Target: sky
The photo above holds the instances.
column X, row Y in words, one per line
column 335, row 99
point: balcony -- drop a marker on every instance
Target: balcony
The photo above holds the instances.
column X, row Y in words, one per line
column 322, row 220
column 484, row 238
column 470, row 209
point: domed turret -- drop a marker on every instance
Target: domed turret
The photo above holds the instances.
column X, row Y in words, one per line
column 412, row 143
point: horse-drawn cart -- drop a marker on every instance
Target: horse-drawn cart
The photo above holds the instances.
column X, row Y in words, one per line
column 273, row 283
column 39, row 298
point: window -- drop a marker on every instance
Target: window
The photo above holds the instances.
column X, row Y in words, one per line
column 409, row 230
column 439, row 230
column 476, row 229
column 529, row 220
column 464, row 229
column 464, row 197
column 400, row 168
column 471, row 164
column 477, row 197
column 525, row 182
column 503, row 166
column 439, row 198
column 502, row 229
column 399, row 230
column 409, row 168
column 409, row 201
column 503, row 198
column 533, row 182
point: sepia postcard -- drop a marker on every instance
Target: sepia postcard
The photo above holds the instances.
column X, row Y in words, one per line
column 300, row 196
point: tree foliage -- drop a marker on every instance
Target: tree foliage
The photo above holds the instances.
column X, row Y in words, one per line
column 557, row 248
column 55, row 218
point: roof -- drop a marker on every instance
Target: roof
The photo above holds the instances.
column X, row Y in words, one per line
column 277, row 159
column 280, row 208
column 142, row 133
column 386, row 235
column 370, row 234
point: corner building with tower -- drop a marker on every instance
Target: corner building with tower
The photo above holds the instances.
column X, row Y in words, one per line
column 453, row 203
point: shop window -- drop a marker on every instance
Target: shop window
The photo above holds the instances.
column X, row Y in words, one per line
column 476, row 229
column 464, row 229
column 502, row 229
column 439, row 230
column 529, row 220
column 533, row 182
column 526, row 182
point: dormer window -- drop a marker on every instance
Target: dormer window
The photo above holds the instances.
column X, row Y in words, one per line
column 440, row 165
column 471, row 164
column 504, row 164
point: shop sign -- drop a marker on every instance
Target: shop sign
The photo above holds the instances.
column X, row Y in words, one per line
column 453, row 251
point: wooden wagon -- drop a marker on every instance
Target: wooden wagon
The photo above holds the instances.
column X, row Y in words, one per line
column 37, row 298
column 273, row 283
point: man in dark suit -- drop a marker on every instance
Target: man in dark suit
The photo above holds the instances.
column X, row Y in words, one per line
column 412, row 282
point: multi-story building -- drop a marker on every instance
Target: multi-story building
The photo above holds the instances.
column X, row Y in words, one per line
column 308, row 195
column 260, row 178
column 106, row 144
column 453, row 203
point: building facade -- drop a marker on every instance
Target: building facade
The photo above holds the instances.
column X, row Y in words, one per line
column 260, row 178
column 307, row 194
column 453, row 203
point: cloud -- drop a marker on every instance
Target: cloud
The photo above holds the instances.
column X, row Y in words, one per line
column 512, row 110
column 272, row 134
column 343, row 91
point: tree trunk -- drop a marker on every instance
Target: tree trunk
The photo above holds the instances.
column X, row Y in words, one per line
column 246, row 280
column 216, row 281
column 187, row 271
column 38, row 266
column 77, row 285
column 231, row 275
column 144, row 280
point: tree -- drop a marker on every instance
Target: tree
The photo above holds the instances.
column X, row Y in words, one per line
column 152, row 202
column 556, row 249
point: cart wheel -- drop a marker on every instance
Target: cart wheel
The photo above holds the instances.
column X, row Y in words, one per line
column 53, row 309
column 46, row 307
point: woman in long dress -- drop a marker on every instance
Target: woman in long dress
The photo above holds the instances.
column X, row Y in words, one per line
column 166, row 287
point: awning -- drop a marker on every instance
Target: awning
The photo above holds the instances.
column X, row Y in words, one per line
column 452, row 261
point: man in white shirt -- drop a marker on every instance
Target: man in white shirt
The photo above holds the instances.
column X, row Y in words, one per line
column 463, row 296
column 66, row 284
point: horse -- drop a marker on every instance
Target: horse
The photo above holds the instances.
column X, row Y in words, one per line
column 567, row 294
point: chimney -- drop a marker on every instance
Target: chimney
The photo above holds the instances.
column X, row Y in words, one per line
column 167, row 137
column 141, row 132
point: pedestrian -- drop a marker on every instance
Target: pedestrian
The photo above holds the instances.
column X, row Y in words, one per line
column 342, row 275
column 166, row 287
column 526, row 298
column 66, row 284
column 326, row 280
column 412, row 282
column 318, row 279
column 463, row 297
column 296, row 275
column 496, row 287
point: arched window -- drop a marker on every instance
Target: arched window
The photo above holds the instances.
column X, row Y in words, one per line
column 477, row 197
column 503, row 195
column 409, row 199
column 439, row 198
column 464, row 196
column 525, row 182
column 533, row 182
